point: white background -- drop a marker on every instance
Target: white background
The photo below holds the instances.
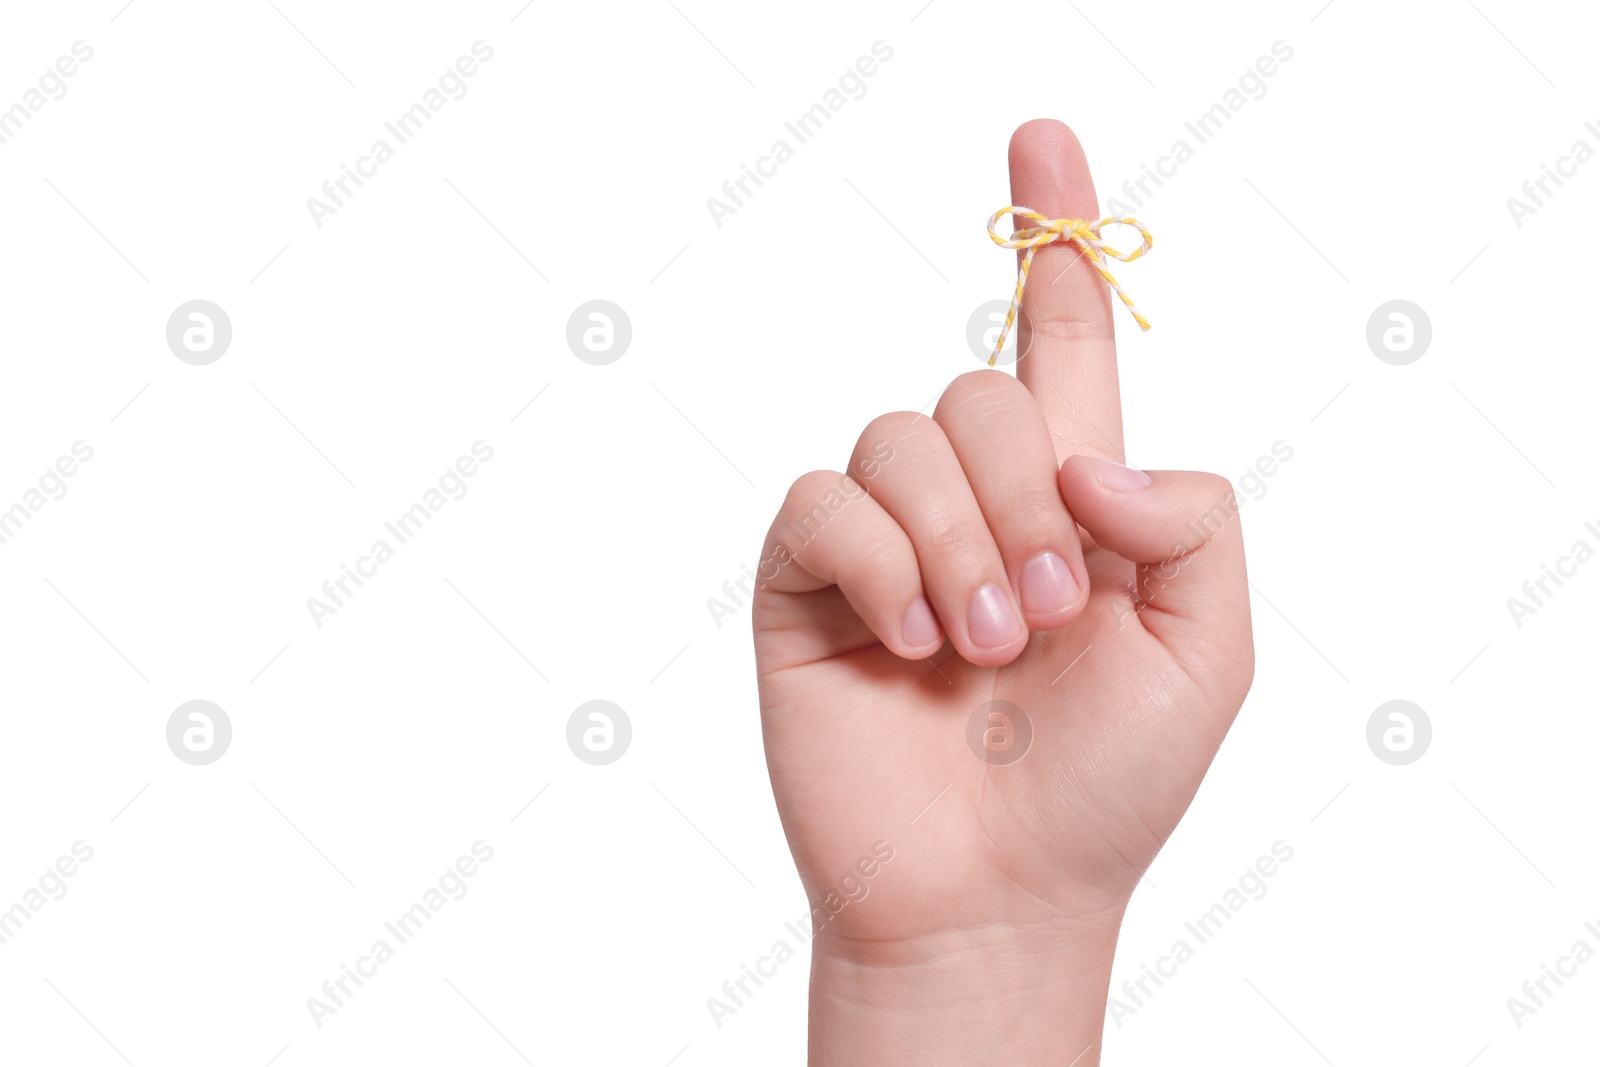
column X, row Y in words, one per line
column 368, row 354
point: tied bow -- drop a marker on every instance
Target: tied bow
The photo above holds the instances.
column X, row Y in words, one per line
column 1081, row 232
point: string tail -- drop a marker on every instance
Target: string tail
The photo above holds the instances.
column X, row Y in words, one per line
column 1014, row 309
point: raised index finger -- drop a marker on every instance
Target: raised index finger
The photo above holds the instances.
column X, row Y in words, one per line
column 1066, row 330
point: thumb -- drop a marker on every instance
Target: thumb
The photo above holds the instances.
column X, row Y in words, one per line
column 1182, row 529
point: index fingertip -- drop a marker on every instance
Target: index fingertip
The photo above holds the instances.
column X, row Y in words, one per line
column 1049, row 171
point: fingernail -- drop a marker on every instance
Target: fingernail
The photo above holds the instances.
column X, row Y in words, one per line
column 1116, row 476
column 1047, row 584
column 991, row 622
column 920, row 628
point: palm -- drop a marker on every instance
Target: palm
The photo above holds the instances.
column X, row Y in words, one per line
column 1121, row 734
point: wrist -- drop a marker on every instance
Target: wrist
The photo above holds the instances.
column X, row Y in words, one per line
column 1018, row 994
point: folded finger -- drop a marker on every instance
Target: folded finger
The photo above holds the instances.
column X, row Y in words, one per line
column 1003, row 445
column 831, row 532
column 925, row 490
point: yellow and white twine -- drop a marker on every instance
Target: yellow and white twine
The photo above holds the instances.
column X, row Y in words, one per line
column 1081, row 232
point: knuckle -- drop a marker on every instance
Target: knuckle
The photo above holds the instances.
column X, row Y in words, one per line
column 809, row 487
column 894, row 424
column 885, row 434
column 946, row 537
column 816, row 492
column 979, row 390
column 1218, row 493
column 1035, row 507
column 1216, row 486
column 1214, row 509
column 884, row 557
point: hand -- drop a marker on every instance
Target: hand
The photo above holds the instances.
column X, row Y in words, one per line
column 996, row 552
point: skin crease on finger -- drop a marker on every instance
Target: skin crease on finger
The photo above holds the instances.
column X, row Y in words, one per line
column 1022, row 801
